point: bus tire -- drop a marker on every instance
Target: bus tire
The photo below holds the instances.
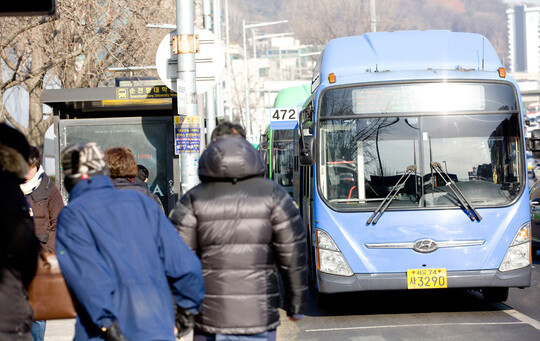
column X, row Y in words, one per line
column 495, row 294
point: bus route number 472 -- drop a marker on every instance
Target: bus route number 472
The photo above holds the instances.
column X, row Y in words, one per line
column 283, row 114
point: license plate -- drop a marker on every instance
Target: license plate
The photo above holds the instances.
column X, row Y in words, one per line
column 426, row 278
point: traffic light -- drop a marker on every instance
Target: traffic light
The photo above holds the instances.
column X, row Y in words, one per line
column 27, row 7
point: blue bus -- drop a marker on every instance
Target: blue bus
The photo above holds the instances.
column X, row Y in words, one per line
column 413, row 168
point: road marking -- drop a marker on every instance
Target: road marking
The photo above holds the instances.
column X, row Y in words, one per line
column 517, row 315
column 416, row 325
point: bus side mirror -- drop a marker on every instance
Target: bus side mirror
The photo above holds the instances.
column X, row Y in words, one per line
column 264, row 145
column 307, row 146
column 527, row 122
column 305, row 115
column 534, row 143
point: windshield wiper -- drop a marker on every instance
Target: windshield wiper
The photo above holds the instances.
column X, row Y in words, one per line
column 467, row 206
column 390, row 197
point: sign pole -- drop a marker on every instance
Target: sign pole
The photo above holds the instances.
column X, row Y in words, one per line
column 247, row 114
column 210, row 98
column 187, row 105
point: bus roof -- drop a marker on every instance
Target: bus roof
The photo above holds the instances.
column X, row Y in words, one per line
column 293, row 96
column 405, row 51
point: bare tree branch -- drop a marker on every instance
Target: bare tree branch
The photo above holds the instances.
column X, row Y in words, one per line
column 74, row 49
column 39, row 72
column 14, row 34
column 13, row 121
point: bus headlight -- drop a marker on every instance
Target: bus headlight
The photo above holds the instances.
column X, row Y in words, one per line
column 519, row 253
column 329, row 258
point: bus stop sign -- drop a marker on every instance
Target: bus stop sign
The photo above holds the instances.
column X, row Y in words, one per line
column 209, row 61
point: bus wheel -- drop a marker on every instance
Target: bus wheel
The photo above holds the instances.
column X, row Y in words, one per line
column 495, row 294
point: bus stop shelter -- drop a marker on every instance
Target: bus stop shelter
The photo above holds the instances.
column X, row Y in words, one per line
column 138, row 117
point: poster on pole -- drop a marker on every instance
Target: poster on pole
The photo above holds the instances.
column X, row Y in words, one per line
column 187, row 134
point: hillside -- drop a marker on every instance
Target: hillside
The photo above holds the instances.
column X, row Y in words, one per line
column 317, row 22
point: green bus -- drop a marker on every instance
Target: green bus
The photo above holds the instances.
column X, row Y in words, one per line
column 277, row 146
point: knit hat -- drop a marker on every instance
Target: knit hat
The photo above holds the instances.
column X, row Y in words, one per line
column 81, row 161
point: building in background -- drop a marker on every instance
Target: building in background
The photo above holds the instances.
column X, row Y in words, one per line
column 524, row 50
column 524, row 39
column 278, row 63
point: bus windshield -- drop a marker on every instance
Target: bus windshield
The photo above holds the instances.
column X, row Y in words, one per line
column 362, row 158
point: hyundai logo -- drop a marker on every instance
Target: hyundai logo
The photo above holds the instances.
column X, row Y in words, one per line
column 425, row 246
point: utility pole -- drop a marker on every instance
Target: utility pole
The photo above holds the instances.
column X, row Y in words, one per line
column 229, row 66
column 254, row 44
column 210, row 98
column 217, row 31
column 187, row 105
column 373, row 17
column 247, row 114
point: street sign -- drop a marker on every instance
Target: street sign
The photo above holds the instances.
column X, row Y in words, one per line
column 283, row 118
column 144, row 92
column 209, row 62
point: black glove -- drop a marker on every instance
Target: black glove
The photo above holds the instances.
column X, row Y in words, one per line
column 113, row 333
column 184, row 321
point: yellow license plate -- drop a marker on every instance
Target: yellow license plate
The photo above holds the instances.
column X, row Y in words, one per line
column 426, row 278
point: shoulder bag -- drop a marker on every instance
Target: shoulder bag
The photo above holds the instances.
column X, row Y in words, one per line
column 48, row 292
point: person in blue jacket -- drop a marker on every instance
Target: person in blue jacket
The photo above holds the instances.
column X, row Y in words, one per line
column 118, row 253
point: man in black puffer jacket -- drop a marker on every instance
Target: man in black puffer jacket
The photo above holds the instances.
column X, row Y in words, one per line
column 244, row 228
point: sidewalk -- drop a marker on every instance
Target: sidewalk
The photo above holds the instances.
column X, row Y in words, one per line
column 60, row 330
column 64, row 330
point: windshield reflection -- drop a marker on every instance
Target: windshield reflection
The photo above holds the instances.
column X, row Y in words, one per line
column 362, row 159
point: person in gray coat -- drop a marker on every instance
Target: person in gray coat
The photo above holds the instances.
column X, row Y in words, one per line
column 245, row 229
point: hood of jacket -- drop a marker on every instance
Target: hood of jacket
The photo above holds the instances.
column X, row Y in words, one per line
column 11, row 161
column 231, row 158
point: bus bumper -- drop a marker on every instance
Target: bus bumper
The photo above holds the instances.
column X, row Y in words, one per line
column 398, row 281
